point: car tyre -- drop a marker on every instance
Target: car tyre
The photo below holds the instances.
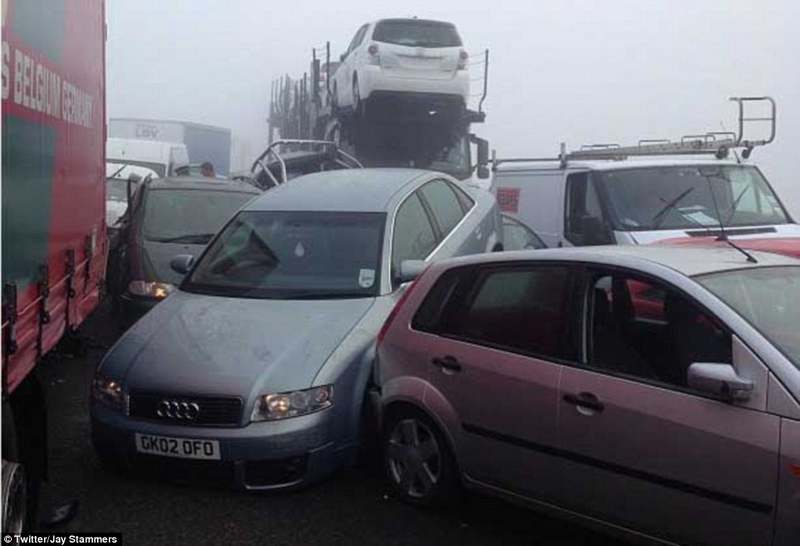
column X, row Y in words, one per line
column 418, row 461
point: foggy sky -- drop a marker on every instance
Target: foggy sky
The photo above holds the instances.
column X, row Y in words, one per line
column 580, row 72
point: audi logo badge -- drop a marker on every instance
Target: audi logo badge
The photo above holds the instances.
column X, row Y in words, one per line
column 175, row 409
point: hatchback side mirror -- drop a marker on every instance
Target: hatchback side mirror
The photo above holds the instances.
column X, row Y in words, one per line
column 410, row 270
column 719, row 379
column 182, row 263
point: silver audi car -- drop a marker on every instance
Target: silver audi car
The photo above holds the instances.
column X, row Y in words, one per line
column 254, row 371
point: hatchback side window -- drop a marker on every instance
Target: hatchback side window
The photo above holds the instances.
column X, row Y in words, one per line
column 444, row 204
column 521, row 309
column 413, row 237
column 585, row 222
column 360, row 36
column 640, row 328
column 356, row 41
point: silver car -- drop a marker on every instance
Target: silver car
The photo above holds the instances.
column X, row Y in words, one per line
column 254, row 371
column 650, row 391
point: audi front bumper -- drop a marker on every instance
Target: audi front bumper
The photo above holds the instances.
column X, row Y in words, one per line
column 260, row 456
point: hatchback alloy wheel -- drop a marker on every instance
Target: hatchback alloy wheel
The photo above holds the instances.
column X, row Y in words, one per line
column 414, row 459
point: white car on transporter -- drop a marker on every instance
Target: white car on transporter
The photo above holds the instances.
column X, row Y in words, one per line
column 391, row 59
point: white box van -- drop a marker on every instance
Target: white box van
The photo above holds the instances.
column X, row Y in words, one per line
column 162, row 158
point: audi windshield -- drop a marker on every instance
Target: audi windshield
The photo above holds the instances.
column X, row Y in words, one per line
column 690, row 197
column 293, row 255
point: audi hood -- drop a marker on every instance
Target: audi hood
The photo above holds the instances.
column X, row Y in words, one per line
column 196, row 344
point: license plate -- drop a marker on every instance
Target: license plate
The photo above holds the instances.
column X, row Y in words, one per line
column 183, row 448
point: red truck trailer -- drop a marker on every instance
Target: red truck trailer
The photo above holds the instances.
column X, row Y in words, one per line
column 53, row 214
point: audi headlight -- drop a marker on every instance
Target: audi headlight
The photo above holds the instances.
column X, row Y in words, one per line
column 157, row 290
column 272, row 407
column 108, row 391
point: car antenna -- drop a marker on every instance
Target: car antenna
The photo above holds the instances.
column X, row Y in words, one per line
column 723, row 236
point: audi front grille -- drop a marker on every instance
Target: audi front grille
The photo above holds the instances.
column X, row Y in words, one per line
column 181, row 409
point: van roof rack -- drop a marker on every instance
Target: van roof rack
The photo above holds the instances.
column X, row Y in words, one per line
column 300, row 154
column 716, row 143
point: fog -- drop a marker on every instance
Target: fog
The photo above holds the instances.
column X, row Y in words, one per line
column 580, row 72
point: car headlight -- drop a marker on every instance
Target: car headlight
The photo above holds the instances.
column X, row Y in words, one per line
column 272, row 407
column 108, row 391
column 157, row 290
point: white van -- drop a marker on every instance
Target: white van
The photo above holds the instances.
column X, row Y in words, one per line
column 162, row 158
column 653, row 192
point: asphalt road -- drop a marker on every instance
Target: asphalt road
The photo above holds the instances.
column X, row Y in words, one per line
column 351, row 508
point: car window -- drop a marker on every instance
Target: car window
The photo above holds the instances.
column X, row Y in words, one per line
column 413, row 237
column 443, row 202
column 359, row 35
column 416, row 33
column 584, row 212
column 517, row 236
column 189, row 216
column 643, row 329
column 466, row 201
column 520, row 309
column 294, row 254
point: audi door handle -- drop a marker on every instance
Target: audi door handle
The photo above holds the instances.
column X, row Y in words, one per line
column 584, row 400
column 447, row 363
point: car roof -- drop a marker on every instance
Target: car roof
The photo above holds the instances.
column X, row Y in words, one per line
column 345, row 190
column 201, row 183
column 688, row 261
column 611, row 165
column 413, row 19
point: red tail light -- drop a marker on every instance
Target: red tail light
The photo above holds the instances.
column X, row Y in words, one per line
column 373, row 49
column 396, row 309
column 463, row 56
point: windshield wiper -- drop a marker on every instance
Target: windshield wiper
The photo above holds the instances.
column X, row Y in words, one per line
column 658, row 217
column 117, row 171
column 190, row 238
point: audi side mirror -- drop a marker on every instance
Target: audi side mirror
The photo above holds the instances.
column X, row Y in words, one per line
column 410, row 270
column 720, row 380
column 182, row 263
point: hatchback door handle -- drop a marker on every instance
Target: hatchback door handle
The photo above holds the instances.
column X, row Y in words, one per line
column 447, row 363
column 585, row 400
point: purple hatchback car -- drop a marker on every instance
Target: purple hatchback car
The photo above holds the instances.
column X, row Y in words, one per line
column 653, row 391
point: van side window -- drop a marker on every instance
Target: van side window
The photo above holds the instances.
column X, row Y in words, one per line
column 643, row 329
column 584, row 223
column 522, row 309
